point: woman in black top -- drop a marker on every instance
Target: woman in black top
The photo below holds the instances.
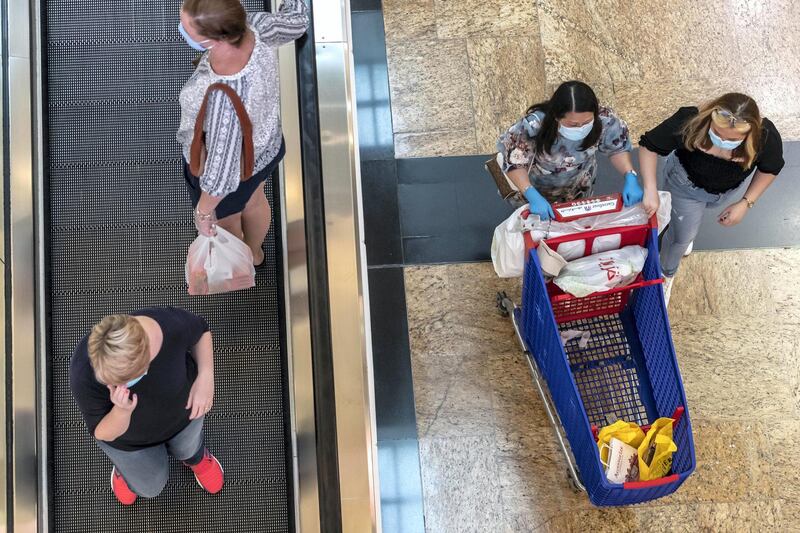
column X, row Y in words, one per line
column 710, row 150
column 144, row 383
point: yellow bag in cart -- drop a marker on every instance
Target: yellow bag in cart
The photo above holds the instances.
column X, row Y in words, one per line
column 655, row 451
column 627, row 432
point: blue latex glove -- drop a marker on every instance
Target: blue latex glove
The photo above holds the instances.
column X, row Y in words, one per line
column 632, row 193
column 538, row 205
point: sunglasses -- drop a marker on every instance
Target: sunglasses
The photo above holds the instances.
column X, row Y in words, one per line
column 725, row 119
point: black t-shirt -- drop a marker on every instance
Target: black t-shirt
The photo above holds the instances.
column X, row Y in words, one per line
column 714, row 174
column 162, row 394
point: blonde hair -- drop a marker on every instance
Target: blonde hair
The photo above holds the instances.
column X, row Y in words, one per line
column 119, row 349
column 695, row 132
column 220, row 20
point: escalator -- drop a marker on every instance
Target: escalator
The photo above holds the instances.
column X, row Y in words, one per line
column 117, row 227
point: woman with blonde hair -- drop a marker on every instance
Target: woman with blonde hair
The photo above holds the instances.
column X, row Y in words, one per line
column 144, row 383
column 240, row 52
column 710, row 152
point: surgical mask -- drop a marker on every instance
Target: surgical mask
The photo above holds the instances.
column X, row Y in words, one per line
column 134, row 381
column 191, row 42
column 575, row 134
column 719, row 142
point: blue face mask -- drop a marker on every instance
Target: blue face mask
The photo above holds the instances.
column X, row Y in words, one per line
column 133, row 382
column 576, row 134
column 191, row 42
column 719, row 142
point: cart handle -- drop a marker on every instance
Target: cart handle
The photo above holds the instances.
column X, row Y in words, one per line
column 636, row 485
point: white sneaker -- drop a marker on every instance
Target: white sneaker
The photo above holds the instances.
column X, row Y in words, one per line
column 689, row 249
column 667, row 288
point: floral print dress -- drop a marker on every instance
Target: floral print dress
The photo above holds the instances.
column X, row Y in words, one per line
column 567, row 173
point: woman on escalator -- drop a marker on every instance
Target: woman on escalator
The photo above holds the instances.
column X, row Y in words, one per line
column 239, row 51
column 144, row 383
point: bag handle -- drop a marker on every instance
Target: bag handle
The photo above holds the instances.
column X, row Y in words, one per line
column 198, row 151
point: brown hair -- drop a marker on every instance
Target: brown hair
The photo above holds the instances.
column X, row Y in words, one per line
column 695, row 132
column 119, row 349
column 220, row 20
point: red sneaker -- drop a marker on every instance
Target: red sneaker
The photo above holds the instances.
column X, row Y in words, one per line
column 121, row 489
column 208, row 473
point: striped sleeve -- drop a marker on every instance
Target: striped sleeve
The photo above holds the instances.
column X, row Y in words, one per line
column 222, row 171
column 289, row 23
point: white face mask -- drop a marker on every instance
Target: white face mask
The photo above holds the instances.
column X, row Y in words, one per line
column 575, row 134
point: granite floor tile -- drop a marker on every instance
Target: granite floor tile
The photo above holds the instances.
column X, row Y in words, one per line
column 409, row 19
column 736, row 369
column 452, row 310
column 436, row 143
column 533, row 478
column 571, row 54
column 644, row 41
column 740, row 516
column 507, row 76
column 788, row 515
column 461, row 486
column 606, row 520
column 712, row 517
column 767, row 34
column 453, row 397
column 784, row 266
column 710, row 283
column 429, row 86
column 657, row 518
column 516, row 403
column 464, row 18
column 783, row 439
column 733, row 463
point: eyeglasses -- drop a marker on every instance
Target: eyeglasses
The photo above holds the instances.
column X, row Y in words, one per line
column 725, row 119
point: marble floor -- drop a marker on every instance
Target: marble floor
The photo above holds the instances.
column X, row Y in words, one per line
column 490, row 461
column 460, row 71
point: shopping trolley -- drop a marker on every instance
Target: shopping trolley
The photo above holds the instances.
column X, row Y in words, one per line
column 627, row 371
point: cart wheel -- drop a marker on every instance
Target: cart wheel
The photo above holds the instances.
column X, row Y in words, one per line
column 573, row 484
column 501, row 297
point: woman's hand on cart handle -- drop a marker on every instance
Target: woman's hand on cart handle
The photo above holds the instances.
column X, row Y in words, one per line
column 632, row 193
column 651, row 201
column 537, row 204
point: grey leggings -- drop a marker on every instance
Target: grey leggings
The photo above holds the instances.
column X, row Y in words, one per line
column 688, row 207
column 146, row 471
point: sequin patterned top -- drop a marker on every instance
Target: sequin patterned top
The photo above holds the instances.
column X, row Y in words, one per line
column 567, row 172
column 257, row 84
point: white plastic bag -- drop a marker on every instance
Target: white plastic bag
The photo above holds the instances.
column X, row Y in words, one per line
column 601, row 272
column 627, row 216
column 508, row 244
column 664, row 212
column 218, row 264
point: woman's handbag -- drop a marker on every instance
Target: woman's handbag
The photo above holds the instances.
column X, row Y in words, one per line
column 198, row 151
